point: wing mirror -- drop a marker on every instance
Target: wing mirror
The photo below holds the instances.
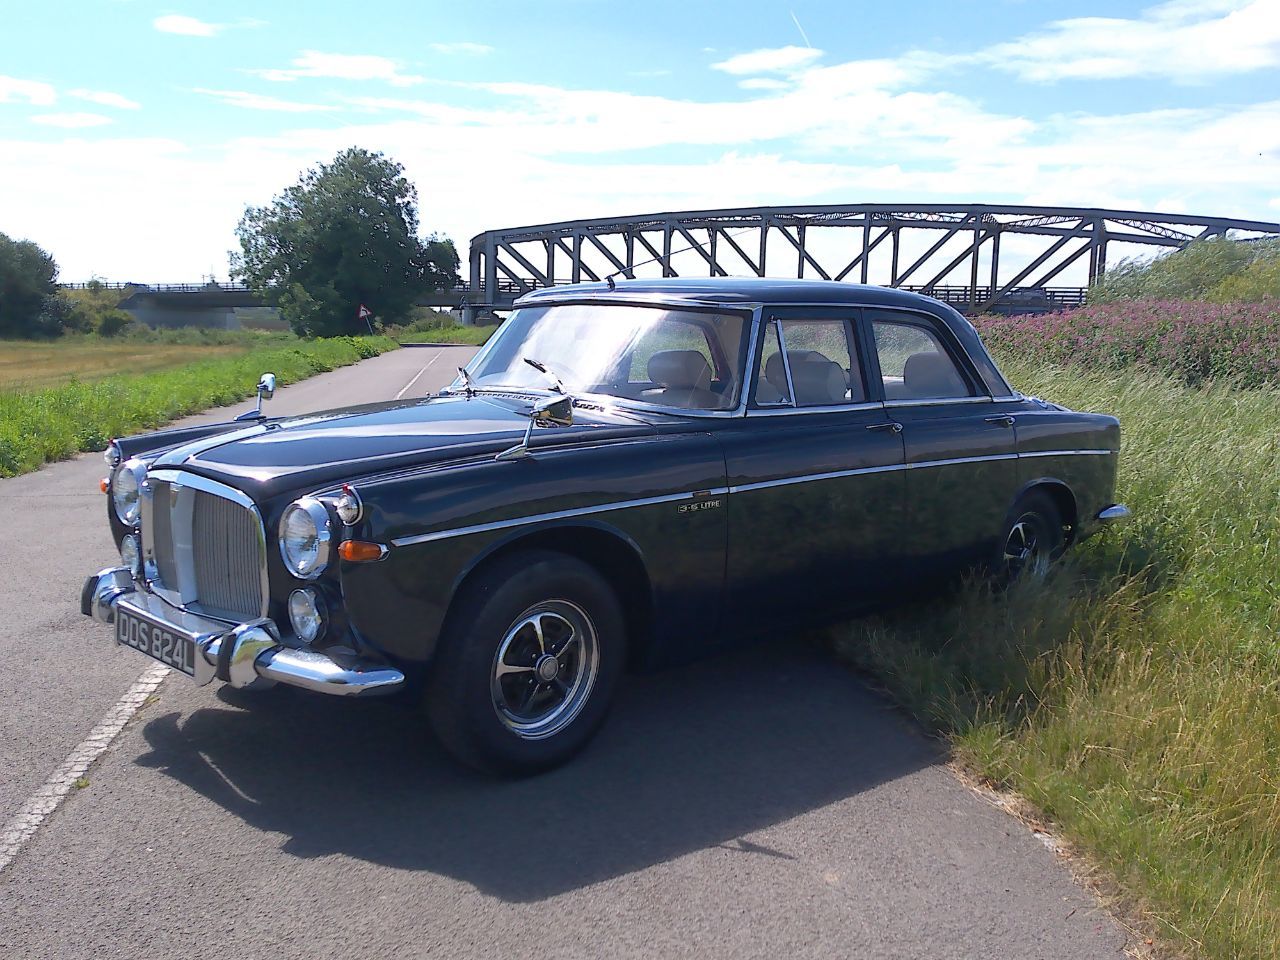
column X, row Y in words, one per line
column 554, row 411
column 557, row 411
column 266, row 389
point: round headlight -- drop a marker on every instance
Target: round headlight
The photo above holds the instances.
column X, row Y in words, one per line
column 304, row 538
column 307, row 614
column 126, row 486
column 131, row 555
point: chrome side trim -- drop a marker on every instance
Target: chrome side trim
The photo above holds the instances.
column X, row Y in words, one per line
column 555, row 515
column 1113, row 513
column 1066, row 453
column 938, row 401
column 741, row 488
column 833, row 475
column 784, row 411
column 860, row 471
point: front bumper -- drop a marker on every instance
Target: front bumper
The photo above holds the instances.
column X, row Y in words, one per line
column 246, row 654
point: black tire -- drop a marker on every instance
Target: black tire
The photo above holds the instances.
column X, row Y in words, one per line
column 525, row 608
column 1030, row 540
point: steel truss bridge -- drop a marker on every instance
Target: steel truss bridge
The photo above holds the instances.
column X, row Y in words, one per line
column 949, row 251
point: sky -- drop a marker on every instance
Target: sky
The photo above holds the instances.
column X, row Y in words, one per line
column 133, row 134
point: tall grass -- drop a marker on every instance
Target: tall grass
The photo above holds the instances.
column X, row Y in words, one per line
column 38, row 426
column 1135, row 697
column 1217, row 269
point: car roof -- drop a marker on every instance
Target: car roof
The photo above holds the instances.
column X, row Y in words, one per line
column 732, row 290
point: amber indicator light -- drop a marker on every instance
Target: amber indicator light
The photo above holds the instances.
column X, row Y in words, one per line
column 104, row 483
column 360, row 551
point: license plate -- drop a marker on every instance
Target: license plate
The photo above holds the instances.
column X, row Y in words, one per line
column 155, row 639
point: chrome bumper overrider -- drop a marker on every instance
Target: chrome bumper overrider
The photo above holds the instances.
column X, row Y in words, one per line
column 244, row 655
column 1113, row 513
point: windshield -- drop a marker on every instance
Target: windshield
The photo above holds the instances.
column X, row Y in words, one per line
column 689, row 359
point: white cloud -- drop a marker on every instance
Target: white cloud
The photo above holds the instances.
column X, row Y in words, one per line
column 777, row 60
column 71, row 120
column 34, row 92
column 462, row 46
column 341, row 66
column 763, row 83
column 105, row 98
column 1182, row 40
column 187, row 26
column 255, row 101
column 870, row 130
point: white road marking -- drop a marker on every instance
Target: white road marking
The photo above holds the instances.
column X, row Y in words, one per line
column 41, row 804
column 420, row 373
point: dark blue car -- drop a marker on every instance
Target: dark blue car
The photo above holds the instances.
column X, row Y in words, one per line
column 626, row 475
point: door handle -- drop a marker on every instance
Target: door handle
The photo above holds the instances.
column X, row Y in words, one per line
column 1003, row 419
column 893, row 426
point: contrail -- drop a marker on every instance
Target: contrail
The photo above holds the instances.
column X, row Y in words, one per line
column 796, row 21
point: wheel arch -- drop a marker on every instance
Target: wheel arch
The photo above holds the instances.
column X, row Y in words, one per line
column 613, row 553
column 1063, row 498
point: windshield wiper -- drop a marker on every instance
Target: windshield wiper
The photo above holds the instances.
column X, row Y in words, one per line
column 547, row 371
column 468, row 384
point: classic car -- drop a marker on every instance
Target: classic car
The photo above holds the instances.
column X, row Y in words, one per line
column 627, row 474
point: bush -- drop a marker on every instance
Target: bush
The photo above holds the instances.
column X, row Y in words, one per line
column 114, row 322
column 1192, row 341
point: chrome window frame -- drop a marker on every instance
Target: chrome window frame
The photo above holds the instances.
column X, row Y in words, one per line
column 754, row 361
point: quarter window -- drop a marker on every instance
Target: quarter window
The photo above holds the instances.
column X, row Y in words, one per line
column 914, row 364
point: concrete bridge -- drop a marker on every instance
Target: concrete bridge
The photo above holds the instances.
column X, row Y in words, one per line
column 977, row 257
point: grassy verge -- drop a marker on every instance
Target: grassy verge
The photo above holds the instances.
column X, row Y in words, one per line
column 1136, row 697
column 38, row 426
column 458, row 334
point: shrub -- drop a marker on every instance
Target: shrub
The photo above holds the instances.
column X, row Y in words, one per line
column 1192, row 341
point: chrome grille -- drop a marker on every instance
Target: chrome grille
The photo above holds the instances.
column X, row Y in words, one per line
column 162, row 533
column 224, row 540
column 203, row 545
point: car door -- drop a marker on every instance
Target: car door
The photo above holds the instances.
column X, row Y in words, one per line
column 960, row 445
column 815, row 477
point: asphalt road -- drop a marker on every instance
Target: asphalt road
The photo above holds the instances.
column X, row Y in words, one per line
column 763, row 804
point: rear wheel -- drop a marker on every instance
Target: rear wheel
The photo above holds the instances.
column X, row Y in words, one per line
column 528, row 663
column 1031, row 540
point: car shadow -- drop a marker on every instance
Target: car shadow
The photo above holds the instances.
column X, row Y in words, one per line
column 691, row 758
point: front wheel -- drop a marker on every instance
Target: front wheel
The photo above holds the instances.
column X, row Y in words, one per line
column 528, row 663
column 1031, row 540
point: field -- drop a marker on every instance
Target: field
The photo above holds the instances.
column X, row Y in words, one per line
column 39, row 364
column 1135, row 699
column 82, row 406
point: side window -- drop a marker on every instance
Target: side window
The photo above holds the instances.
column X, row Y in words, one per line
column 771, row 384
column 914, row 364
column 823, row 369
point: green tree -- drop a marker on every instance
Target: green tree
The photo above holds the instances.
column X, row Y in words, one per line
column 29, row 301
column 96, row 307
column 345, row 234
